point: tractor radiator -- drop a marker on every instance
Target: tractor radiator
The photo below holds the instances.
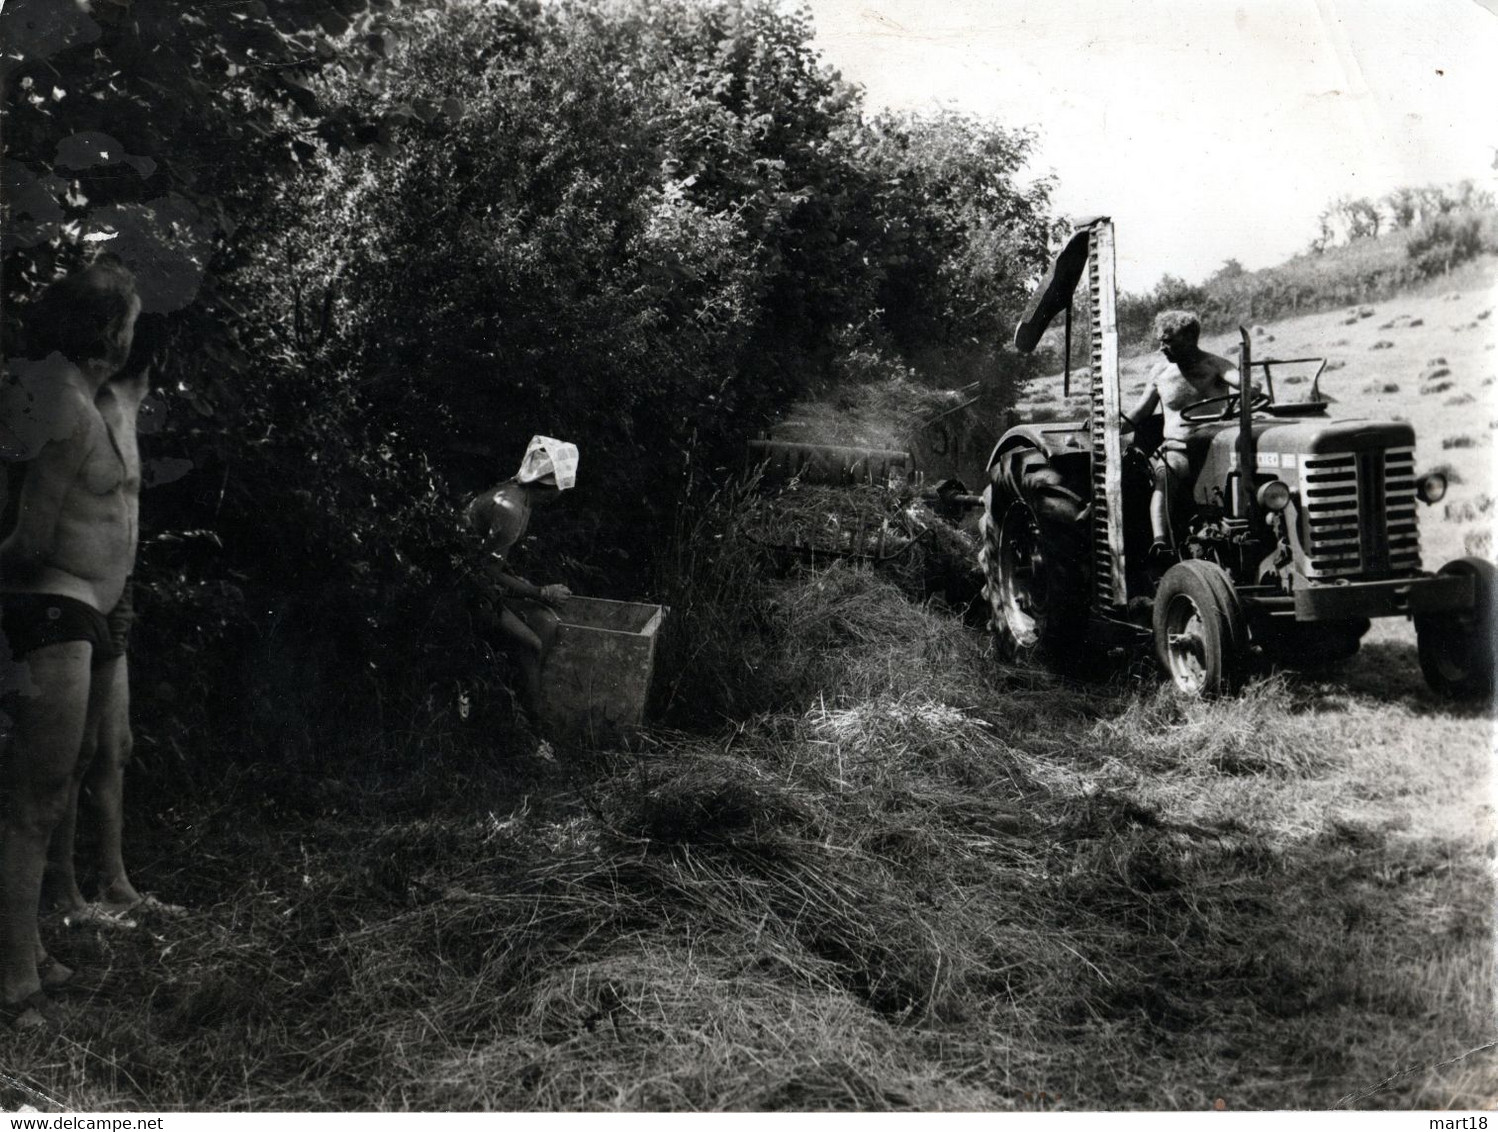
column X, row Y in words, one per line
column 1107, row 443
column 1359, row 514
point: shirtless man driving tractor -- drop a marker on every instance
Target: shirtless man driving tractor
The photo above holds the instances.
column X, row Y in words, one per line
column 63, row 567
column 1189, row 375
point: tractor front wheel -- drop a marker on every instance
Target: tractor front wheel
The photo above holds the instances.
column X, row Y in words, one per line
column 1200, row 636
column 1459, row 650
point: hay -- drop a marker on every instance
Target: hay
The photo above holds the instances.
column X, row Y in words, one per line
column 910, row 878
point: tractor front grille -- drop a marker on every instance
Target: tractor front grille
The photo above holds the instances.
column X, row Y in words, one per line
column 1359, row 514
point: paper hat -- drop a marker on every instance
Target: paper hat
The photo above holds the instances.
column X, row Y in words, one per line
column 549, row 461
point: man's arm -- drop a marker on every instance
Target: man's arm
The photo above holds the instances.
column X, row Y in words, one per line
column 493, row 571
column 1147, row 405
column 49, row 478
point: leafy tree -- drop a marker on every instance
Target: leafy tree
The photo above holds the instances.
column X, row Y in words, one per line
column 387, row 243
column 959, row 241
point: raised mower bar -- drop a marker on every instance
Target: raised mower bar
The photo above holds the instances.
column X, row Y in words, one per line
column 1107, row 442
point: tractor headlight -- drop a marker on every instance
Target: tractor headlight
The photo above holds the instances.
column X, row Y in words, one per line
column 1431, row 488
column 1274, row 495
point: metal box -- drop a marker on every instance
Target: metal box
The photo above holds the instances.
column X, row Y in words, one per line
column 597, row 677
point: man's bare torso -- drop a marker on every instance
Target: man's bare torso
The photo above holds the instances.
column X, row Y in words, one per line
column 119, row 406
column 1206, row 376
column 85, row 553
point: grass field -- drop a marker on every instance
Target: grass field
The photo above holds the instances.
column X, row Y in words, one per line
column 899, row 875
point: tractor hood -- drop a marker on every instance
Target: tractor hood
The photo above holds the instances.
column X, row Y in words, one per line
column 1314, row 437
column 1281, row 446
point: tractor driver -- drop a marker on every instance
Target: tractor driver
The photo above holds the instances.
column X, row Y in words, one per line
column 1188, row 375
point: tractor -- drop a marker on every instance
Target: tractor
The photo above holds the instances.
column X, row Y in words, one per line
column 1301, row 528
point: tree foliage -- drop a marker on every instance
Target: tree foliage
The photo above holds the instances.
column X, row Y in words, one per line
column 386, row 243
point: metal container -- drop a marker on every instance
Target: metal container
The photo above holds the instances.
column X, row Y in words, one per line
column 597, row 676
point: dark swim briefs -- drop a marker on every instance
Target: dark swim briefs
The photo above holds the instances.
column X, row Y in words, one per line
column 33, row 621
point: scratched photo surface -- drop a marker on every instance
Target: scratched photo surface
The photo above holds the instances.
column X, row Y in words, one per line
column 646, row 555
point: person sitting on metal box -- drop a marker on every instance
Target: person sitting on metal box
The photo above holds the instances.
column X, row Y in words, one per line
column 524, row 616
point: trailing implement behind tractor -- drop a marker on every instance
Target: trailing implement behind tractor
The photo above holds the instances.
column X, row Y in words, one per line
column 1300, row 526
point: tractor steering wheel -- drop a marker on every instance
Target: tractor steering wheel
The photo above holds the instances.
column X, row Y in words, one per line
column 1259, row 400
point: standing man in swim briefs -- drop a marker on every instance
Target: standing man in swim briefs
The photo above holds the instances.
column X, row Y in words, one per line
column 526, row 620
column 62, row 567
column 99, row 776
column 1189, row 375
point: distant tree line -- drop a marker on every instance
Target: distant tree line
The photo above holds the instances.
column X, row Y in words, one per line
column 1405, row 209
column 1365, row 249
column 381, row 244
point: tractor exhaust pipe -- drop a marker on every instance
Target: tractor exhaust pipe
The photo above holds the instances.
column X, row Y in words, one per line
column 1247, row 450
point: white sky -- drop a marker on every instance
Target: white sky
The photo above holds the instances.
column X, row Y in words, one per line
column 1207, row 129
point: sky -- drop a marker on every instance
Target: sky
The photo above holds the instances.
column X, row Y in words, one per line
column 1208, row 129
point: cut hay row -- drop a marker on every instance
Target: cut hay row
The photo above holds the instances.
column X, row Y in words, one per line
column 909, row 878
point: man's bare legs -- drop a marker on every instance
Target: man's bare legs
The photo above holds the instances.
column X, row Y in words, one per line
column 529, row 637
column 1172, row 471
column 105, row 787
column 36, row 791
column 99, row 777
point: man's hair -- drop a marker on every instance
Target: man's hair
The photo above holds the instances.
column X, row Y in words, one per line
column 79, row 317
column 1171, row 323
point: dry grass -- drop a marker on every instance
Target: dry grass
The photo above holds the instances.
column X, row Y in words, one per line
column 916, row 880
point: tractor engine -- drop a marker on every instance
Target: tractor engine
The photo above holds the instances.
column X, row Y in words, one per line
column 1339, row 496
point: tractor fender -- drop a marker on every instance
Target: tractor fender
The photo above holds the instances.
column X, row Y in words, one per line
column 1021, row 468
column 1051, row 439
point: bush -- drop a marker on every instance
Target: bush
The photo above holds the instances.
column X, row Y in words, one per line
column 1442, row 242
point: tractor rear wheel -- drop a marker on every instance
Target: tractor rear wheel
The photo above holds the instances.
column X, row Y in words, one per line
column 1459, row 650
column 1200, row 636
column 1030, row 584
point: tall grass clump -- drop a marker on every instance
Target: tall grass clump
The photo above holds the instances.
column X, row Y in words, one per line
column 771, row 604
